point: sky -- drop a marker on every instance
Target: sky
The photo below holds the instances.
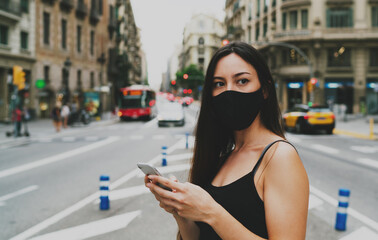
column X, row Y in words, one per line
column 162, row 24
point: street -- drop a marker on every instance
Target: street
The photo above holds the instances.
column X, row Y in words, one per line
column 49, row 185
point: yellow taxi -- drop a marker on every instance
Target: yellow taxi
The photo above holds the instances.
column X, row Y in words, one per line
column 303, row 118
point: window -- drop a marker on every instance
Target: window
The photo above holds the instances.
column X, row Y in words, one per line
column 24, row 40
column 92, row 42
column 25, row 6
column 46, row 28
column 258, row 8
column 374, row 16
column 78, row 40
column 3, row 35
column 64, row 34
column 46, row 73
column 100, row 7
column 293, row 19
column 201, row 41
column 201, row 50
column 284, row 21
column 257, row 32
column 265, row 28
column 92, row 80
column 373, row 57
column 339, row 57
column 266, row 4
column 339, row 17
column 304, row 19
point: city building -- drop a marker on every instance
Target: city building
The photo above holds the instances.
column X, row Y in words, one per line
column 17, row 48
column 334, row 42
column 172, row 68
column 72, row 41
column 201, row 38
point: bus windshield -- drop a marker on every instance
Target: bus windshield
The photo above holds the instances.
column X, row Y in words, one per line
column 133, row 101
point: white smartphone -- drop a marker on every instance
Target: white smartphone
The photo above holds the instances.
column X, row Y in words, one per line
column 150, row 170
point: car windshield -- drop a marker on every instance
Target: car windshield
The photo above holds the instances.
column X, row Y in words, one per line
column 320, row 109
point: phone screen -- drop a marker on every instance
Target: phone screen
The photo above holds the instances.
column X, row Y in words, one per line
column 150, row 170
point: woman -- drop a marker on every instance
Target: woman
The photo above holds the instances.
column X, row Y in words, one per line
column 56, row 117
column 246, row 181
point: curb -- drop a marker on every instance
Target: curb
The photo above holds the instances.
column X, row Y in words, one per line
column 355, row 135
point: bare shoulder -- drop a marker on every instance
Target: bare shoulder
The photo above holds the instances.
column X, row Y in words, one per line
column 285, row 162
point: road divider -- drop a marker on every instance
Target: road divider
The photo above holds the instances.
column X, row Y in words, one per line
column 104, row 192
column 342, row 214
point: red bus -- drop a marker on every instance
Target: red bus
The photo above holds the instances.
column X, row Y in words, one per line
column 137, row 102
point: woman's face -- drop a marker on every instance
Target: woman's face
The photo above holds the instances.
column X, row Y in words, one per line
column 233, row 73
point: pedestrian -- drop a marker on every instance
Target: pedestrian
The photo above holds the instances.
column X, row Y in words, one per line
column 246, row 181
column 17, row 119
column 55, row 114
column 26, row 118
column 65, row 113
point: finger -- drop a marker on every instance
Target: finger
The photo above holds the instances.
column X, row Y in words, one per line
column 167, row 182
column 173, row 178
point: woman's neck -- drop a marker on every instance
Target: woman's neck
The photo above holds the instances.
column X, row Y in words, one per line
column 255, row 134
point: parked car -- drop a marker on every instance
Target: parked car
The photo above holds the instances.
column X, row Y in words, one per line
column 186, row 101
column 303, row 118
column 171, row 113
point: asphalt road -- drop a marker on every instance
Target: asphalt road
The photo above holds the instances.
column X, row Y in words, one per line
column 48, row 187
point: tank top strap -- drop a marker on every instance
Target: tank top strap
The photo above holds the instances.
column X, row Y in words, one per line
column 263, row 154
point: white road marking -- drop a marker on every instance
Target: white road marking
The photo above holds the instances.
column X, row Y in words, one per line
column 314, row 202
column 369, row 162
column 92, row 229
column 136, row 137
column 150, row 123
column 18, row 193
column 57, row 157
column 82, row 203
column 169, row 169
column 362, row 233
column 366, row 220
column 365, row 149
column 325, row 149
column 68, row 139
column 91, row 138
column 159, row 137
column 125, row 193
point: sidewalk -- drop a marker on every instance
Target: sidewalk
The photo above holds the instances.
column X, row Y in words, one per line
column 44, row 128
column 357, row 126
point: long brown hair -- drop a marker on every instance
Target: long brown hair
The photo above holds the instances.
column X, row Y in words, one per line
column 213, row 141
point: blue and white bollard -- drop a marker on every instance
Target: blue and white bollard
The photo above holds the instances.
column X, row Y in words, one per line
column 341, row 215
column 164, row 156
column 187, row 140
column 104, row 192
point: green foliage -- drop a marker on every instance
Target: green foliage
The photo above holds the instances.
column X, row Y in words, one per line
column 195, row 77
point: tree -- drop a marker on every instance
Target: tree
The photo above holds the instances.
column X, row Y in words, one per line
column 195, row 78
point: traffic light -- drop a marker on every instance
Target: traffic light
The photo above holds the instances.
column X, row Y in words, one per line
column 189, row 91
column 173, row 82
column 314, row 81
column 185, row 91
column 18, row 77
column 185, row 76
column 225, row 42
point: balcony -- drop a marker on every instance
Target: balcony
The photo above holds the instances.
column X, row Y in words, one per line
column 94, row 16
column 51, row 2
column 81, row 10
column 66, row 5
column 295, row 3
column 10, row 10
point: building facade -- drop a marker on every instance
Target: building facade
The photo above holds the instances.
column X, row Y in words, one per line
column 334, row 41
column 201, row 38
column 17, row 48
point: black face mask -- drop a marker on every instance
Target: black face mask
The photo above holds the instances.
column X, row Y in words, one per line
column 237, row 110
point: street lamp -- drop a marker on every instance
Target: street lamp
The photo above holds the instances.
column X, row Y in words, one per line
column 67, row 64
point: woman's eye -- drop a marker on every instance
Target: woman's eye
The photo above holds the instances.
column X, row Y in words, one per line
column 218, row 84
column 243, row 81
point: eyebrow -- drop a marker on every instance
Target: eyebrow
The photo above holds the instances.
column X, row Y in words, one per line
column 234, row 76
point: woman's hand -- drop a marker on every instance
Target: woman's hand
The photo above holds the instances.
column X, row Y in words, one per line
column 186, row 200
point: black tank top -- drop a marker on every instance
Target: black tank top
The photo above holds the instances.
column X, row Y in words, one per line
column 241, row 200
